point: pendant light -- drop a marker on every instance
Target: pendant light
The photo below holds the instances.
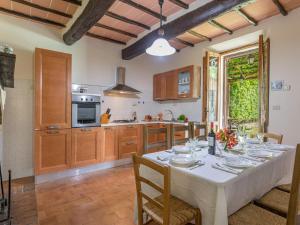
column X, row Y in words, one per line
column 160, row 46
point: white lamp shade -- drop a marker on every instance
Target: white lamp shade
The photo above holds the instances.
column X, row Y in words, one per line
column 160, row 47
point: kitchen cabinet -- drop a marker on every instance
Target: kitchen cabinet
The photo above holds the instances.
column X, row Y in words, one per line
column 159, row 87
column 109, row 144
column 182, row 83
column 129, row 140
column 52, row 90
column 86, row 146
column 52, row 150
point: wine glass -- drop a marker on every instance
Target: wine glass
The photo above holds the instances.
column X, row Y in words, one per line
column 260, row 137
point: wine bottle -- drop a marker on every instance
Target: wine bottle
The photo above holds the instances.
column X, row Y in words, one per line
column 212, row 140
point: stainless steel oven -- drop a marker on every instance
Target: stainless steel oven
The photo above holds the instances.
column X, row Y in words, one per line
column 86, row 110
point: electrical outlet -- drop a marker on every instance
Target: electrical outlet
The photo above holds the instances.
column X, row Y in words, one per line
column 276, row 107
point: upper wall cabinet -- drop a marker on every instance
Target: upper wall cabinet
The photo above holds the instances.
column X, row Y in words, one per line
column 182, row 83
column 52, row 90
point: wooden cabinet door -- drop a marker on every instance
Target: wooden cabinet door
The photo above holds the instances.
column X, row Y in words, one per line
column 52, row 150
column 171, row 85
column 86, row 146
column 109, row 144
column 52, row 90
column 159, row 87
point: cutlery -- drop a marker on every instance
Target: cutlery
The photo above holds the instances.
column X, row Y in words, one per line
column 227, row 167
column 163, row 158
column 169, row 151
column 198, row 164
column 224, row 169
column 254, row 158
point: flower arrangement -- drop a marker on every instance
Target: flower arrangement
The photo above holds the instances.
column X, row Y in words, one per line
column 227, row 137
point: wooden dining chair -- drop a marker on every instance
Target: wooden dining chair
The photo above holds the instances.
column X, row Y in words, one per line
column 198, row 130
column 164, row 209
column 277, row 137
column 276, row 207
column 178, row 134
column 158, row 143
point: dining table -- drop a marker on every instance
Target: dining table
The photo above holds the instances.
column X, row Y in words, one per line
column 216, row 189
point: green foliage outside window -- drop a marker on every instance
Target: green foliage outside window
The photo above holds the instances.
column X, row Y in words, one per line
column 243, row 88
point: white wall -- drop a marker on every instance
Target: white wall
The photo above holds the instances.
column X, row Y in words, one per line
column 95, row 61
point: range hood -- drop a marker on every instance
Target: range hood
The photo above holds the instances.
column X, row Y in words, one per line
column 121, row 89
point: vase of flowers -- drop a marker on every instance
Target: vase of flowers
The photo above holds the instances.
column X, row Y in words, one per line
column 227, row 139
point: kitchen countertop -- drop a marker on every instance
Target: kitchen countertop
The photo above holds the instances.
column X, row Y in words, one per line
column 141, row 122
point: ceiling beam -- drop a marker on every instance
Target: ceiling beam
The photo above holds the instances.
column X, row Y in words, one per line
column 126, row 20
column 36, row 6
column 143, row 8
column 250, row 19
column 220, row 26
column 184, row 42
column 74, row 2
column 182, row 24
column 196, row 34
column 105, row 38
column 180, row 3
column 92, row 13
column 116, row 30
column 280, row 7
column 34, row 18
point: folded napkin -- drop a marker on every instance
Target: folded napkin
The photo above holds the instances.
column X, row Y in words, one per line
column 233, row 171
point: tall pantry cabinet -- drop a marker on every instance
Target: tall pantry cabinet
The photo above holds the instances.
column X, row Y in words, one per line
column 52, row 127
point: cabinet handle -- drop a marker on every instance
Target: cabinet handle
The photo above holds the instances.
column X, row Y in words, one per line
column 130, row 143
column 107, row 128
column 53, row 127
column 52, row 132
column 86, row 129
column 130, row 126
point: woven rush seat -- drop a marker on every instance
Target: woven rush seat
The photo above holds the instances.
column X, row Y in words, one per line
column 276, row 200
column 285, row 187
column 180, row 212
column 254, row 215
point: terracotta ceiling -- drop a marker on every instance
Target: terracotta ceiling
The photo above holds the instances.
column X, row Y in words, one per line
column 52, row 12
column 124, row 22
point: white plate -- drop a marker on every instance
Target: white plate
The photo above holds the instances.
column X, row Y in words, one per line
column 260, row 153
column 237, row 162
column 181, row 149
column 182, row 160
column 253, row 141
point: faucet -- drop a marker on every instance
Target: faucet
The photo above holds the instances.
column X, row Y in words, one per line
column 172, row 114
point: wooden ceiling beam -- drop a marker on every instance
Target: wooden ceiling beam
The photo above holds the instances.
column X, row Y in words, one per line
column 180, row 3
column 182, row 24
column 220, row 26
column 126, row 20
column 184, row 42
column 92, row 13
column 280, row 7
column 250, row 19
column 143, row 8
column 105, row 38
column 34, row 18
column 43, row 8
column 116, row 30
column 201, row 36
column 74, row 2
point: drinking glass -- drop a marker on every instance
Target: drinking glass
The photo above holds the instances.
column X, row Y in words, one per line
column 260, row 137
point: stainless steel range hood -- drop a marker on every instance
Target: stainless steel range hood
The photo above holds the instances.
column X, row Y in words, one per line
column 121, row 89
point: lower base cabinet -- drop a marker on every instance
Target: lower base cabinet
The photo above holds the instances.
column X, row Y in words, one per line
column 129, row 140
column 109, row 144
column 52, row 150
column 86, row 146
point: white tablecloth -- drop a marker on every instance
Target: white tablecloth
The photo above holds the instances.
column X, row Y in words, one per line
column 219, row 194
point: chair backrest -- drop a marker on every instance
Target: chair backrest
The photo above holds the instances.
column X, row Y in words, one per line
column 198, row 130
column 293, row 216
column 156, row 131
column 177, row 139
column 165, row 190
column 277, row 137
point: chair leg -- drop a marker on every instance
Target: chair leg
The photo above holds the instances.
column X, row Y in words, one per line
column 198, row 218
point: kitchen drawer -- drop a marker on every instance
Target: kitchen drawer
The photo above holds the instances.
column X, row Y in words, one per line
column 126, row 148
column 128, row 131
